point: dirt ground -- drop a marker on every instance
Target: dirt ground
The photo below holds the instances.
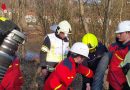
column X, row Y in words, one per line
column 29, row 68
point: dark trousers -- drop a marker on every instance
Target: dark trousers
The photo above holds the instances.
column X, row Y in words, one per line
column 84, row 81
column 83, row 86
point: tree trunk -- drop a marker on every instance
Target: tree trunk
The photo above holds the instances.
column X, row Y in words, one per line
column 106, row 23
column 122, row 3
column 83, row 21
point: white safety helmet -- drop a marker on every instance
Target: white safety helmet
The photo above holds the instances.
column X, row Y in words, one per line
column 80, row 48
column 123, row 26
column 64, row 27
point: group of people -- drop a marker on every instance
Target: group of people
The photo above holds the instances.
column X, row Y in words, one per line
column 60, row 63
column 65, row 68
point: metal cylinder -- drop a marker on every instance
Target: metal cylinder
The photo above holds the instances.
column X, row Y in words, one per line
column 8, row 49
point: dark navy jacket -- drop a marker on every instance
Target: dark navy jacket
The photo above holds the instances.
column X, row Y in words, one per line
column 94, row 59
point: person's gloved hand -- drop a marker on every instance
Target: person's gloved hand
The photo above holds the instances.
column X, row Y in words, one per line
column 126, row 68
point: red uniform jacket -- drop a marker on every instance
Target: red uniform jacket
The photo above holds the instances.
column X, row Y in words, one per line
column 64, row 74
column 116, row 76
column 13, row 79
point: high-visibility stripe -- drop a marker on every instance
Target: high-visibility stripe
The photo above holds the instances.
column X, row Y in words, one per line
column 88, row 73
column 10, row 66
column 16, row 64
column 70, row 77
column 44, row 48
column 58, row 87
column 119, row 57
column 20, row 77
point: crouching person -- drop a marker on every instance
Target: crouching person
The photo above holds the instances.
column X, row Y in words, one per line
column 65, row 71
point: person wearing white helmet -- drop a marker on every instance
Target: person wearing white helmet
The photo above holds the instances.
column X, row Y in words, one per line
column 55, row 47
column 118, row 52
column 65, row 71
column 64, row 27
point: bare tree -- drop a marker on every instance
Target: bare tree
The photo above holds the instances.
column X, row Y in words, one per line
column 77, row 13
column 106, row 22
column 41, row 11
column 81, row 10
column 122, row 3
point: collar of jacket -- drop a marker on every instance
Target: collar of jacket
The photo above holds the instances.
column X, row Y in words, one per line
column 125, row 45
column 73, row 62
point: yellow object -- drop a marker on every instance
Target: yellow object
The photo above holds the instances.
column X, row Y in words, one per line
column 90, row 40
column 88, row 73
column 10, row 66
column 3, row 18
column 58, row 87
column 119, row 57
column 44, row 48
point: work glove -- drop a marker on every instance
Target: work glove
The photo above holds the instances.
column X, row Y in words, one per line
column 126, row 68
